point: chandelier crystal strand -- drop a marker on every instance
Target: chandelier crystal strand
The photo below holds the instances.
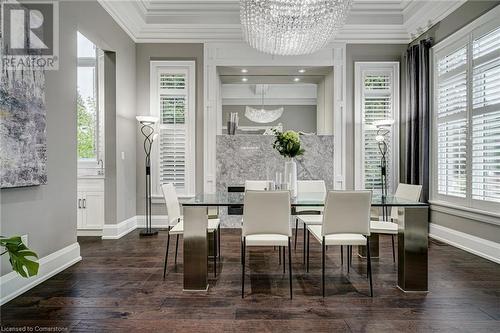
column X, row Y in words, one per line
column 291, row 27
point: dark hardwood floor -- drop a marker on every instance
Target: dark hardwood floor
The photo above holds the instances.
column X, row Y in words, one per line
column 118, row 286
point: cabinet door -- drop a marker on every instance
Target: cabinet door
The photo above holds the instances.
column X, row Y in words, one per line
column 94, row 210
column 79, row 210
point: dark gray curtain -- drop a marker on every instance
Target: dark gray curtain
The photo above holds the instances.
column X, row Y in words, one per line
column 417, row 116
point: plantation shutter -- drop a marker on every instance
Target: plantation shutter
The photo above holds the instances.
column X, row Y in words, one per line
column 173, row 129
column 452, row 123
column 377, row 104
column 486, row 117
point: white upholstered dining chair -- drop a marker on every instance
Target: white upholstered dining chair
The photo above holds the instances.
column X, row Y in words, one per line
column 256, row 185
column 346, row 221
column 266, row 222
column 176, row 225
column 306, row 214
column 404, row 191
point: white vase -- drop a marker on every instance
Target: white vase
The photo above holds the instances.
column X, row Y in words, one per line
column 291, row 176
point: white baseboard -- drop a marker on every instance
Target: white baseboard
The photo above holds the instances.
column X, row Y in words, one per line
column 83, row 232
column 475, row 245
column 157, row 221
column 116, row 231
column 13, row 285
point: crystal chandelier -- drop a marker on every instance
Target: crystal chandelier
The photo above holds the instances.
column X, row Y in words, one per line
column 291, row 27
column 262, row 115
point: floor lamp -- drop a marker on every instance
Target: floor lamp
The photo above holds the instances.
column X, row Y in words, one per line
column 383, row 128
column 147, row 129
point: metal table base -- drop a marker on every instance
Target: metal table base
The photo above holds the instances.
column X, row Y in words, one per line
column 413, row 240
column 195, row 248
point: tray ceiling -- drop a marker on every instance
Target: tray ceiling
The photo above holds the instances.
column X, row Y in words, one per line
column 370, row 21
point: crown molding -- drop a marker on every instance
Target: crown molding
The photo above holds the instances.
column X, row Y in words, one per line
column 375, row 33
column 421, row 16
column 196, row 21
column 126, row 14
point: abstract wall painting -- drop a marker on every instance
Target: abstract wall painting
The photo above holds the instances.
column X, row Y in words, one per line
column 23, row 139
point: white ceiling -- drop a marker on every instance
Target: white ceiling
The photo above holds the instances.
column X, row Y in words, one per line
column 370, row 21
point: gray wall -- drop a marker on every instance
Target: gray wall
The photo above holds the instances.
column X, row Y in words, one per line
column 96, row 24
column 295, row 117
column 366, row 52
column 48, row 213
column 144, row 53
column 464, row 15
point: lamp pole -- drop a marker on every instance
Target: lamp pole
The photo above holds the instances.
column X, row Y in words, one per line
column 148, row 131
column 382, row 147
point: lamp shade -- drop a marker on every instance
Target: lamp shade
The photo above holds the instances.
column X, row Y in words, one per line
column 147, row 120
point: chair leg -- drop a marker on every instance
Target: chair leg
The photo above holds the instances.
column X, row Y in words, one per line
column 296, row 230
column 215, row 253
column 283, row 260
column 369, row 264
column 304, row 245
column 393, row 251
column 218, row 243
column 307, row 261
column 242, row 269
column 323, row 250
column 348, row 258
column 166, row 255
column 350, row 252
column 176, row 248
column 290, row 266
column 341, row 255
column 279, row 254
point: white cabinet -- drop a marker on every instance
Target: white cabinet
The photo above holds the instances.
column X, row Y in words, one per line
column 90, row 204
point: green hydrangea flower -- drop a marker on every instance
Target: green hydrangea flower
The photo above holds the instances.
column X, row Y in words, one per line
column 288, row 143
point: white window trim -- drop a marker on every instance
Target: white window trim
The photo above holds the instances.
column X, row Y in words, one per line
column 92, row 163
column 465, row 212
column 359, row 68
column 465, row 207
column 190, row 66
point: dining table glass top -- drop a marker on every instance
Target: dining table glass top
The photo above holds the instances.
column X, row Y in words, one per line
column 303, row 199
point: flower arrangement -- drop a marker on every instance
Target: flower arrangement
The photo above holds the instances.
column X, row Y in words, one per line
column 288, row 143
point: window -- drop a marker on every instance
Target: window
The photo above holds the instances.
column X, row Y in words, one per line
column 89, row 122
column 376, row 98
column 173, row 101
column 466, row 116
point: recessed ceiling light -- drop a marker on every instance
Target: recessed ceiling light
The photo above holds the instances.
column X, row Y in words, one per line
column 244, row 70
column 296, row 79
column 244, row 79
column 302, row 70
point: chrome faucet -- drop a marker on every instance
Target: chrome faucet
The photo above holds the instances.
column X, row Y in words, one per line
column 101, row 170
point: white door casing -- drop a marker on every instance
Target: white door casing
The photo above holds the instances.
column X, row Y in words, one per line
column 241, row 55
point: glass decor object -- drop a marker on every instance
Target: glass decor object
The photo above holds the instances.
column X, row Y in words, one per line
column 291, row 27
column 289, row 146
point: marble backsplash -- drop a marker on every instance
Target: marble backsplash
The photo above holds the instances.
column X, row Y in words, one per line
column 252, row 157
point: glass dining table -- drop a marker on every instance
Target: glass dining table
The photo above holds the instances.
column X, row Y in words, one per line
column 412, row 235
